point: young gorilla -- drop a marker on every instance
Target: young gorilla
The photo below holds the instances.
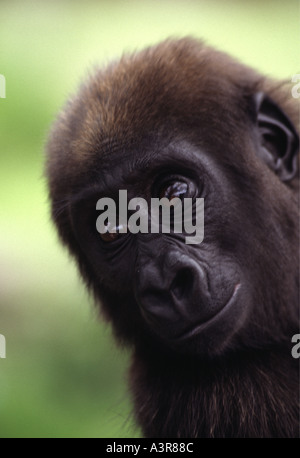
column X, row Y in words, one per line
column 211, row 324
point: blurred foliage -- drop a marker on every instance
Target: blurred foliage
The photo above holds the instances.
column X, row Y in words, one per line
column 63, row 376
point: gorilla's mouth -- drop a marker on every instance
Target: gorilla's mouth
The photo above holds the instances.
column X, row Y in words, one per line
column 183, row 331
column 219, row 316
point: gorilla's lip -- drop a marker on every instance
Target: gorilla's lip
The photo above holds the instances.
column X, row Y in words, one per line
column 197, row 329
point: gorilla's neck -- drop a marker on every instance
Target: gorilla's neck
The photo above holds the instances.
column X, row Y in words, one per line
column 246, row 394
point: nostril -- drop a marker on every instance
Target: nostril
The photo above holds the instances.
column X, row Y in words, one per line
column 182, row 283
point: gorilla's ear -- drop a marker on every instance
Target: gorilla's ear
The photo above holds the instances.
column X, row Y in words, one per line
column 279, row 139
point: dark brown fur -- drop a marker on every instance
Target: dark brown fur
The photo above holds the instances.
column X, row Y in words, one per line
column 164, row 92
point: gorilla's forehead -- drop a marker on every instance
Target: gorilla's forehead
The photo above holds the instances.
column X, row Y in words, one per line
column 142, row 161
column 161, row 95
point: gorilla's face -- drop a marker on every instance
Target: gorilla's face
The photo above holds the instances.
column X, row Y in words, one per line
column 197, row 298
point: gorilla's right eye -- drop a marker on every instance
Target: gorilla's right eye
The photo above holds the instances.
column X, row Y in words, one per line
column 113, row 232
column 109, row 237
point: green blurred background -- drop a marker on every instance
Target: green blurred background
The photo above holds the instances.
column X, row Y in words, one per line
column 63, row 375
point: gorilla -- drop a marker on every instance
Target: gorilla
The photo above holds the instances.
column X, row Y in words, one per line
column 209, row 324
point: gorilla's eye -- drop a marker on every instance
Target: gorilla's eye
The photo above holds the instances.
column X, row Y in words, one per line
column 109, row 236
column 113, row 232
column 174, row 189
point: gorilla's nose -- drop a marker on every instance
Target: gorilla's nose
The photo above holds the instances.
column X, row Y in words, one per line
column 182, row 283
column 169, row 294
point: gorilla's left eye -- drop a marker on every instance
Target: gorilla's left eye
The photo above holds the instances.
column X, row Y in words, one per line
column 174, row 189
